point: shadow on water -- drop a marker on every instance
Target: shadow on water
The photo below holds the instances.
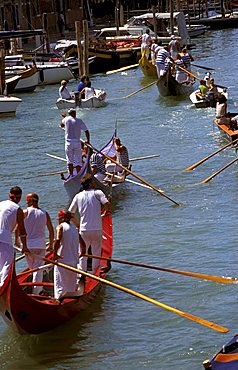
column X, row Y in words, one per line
column 48, row 350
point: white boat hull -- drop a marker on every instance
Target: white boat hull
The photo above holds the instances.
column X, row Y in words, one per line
column 8, row 105
column 53, row 74
column 96, row 101
column 204, row 103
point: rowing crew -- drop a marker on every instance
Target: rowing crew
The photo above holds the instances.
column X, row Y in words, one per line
column 69, row 245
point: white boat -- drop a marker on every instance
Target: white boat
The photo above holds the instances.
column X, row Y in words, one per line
column 205, row 103
column 8, row 105
column 196, row 30
column 28, row 79
column 97, row 101
column 53, row 73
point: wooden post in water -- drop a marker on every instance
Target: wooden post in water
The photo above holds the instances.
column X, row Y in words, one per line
column 154, row 22
column 45, row 28
column 171, row 10
column 85, row 47
column 78, row 28
column 2, row 68
column 117, row 17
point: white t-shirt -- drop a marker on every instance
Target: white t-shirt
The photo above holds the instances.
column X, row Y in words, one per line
column 8, row 220
column 145, row 39
column 69, row 245
column 89, row 92
column 88, row 202
column 35, row 223
column 64, row 93
column 73, row 127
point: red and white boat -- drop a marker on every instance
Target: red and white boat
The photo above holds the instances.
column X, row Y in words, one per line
column 34, row 314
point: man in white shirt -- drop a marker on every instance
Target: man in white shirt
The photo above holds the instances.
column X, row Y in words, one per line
column 88, row 203
column 11, row 215
column 145, row 43
column 36, row 220
column 64, row 91
column 73, row 149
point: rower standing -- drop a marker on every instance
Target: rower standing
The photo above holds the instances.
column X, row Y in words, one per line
column 88, row 203
column 36, row 220
column 11, row 215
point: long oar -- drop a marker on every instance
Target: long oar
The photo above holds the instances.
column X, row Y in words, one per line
column 217, row 172
column 209, row 156
column 145, row 157
column 34, row 270
column 129, row 180
column 197, row 319
column 137, row 91
column 208, row 68
column 53, row 173
column 20, row 257
column 217, row 279
column 131, row 159
column 122, row 69
column 132, row 173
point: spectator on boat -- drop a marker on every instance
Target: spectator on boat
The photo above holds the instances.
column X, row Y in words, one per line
column 88, row 91
column 207, row 79
column 145, row 43
column 161, row 57
column 98, row 166
column 180, row 75
column 11, row 215
column 67, row 248
column 36, row 220
column 174, row 47
column 82, row 85
column 64, row 91
column 73, row 150
column 212, row 94
column 222, row 117
column 203, row 89
column 89, row 203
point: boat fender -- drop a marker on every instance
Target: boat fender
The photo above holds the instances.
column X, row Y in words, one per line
column 41, row 74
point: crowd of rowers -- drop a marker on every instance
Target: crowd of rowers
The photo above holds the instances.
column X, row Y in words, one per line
column 168, row 57
column 69, row 242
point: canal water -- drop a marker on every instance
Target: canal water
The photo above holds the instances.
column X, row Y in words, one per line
column 120, row 331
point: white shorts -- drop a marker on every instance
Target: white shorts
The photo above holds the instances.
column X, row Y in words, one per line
column 73, row 153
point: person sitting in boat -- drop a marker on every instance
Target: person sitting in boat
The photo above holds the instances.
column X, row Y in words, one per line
column 82, row 84
column 145, row 43
column 64, row 91
column 222, row 117
column 203, row 89
column 212, row 94
column 67, row 247
column 88, row 91
column 98, row 166
column 207, row 79
column 180, row 75
column 161, row 57
column 174, row 47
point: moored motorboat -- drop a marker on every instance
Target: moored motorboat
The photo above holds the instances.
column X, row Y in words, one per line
column 205, row 103
column 27, row 82
column 8, row 105
column 53, row 73
column 34, row 314
column 96, row 101
column 226, row 358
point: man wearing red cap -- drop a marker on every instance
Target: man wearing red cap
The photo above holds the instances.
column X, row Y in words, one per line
column 67, row 249
column 10, row 215
column 36, row 220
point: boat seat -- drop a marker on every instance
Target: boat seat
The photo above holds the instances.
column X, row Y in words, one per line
column 36, row 283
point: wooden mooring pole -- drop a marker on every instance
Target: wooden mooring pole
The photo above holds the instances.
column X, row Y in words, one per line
column 85, row 47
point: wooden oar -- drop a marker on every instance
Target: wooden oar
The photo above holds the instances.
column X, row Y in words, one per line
column 131, row 173
column 209, row 156
column 34, row 270
column 137, row 91
column 131, row 159
column 122, row 69
column 208, row 68
column 217, row 279
column 217, row 172
column 20, row 257
column 139, row 184
column 145, row 157
column 188, row 316
column 53, row 173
